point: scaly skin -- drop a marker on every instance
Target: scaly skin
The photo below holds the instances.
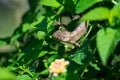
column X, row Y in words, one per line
column 71, row 37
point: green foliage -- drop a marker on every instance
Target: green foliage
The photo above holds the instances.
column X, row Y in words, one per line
column 82, row 56
column 100, row 13
column 114, row 14
column 109, row 38
column 52, row 3
column 23, row 77
column 2, row 43
column 97, row 58
column 82, row 5
column 6, row 74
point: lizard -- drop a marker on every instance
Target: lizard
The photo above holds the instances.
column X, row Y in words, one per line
column 71, row 37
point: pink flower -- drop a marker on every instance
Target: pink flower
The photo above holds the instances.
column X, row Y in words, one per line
column 58, row 66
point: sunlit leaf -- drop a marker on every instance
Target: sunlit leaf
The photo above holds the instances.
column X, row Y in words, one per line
column 52, row 3
column 23, row 77
column 100, row 13
column 15, row 37
column 114, row 13
column 52, row 52
column 82, row 5
column 6, row 74
column 42, row 53
column 26, row 27
column 39, row 19
column 41, row 35
column 95, row 66
column 107, row 40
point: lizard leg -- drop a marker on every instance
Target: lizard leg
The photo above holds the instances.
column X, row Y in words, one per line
column 77, row 44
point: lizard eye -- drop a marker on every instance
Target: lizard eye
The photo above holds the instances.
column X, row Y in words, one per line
column 62, row 28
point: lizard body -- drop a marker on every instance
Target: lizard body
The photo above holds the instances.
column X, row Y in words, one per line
column 71, row 37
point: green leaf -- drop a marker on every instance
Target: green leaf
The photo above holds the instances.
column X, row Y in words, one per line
column 41, row 25
column 114, row 13
column 37, row 21
column 15, row 37
column 60, row 10
column 70, row 6
column 5, row 74
column 42, row 53
column 100, row 13
column 50, row 26
column 60, row 77
column 54, row 78
column 26, row 27
column 50, row 59
column 117, row 1
column 82, row 56
column 53, row 52
column 78, row 58
column 32, row 51
column 23, row 77
column 74, row 71
column 2, row 43
column 116, row 10
column 46, row 71
column 95, row 66
column 41, row 35
column 106, row 42
column 82, row 5
column 52, row 3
